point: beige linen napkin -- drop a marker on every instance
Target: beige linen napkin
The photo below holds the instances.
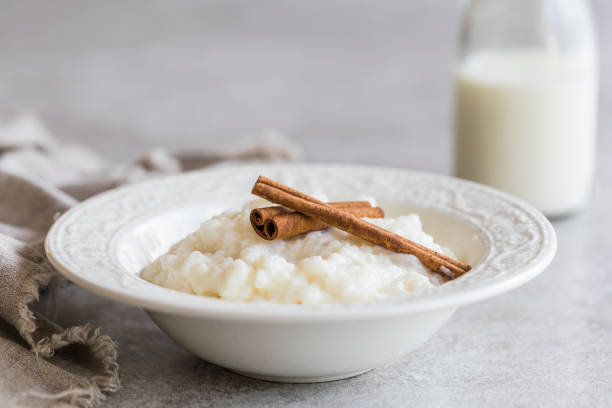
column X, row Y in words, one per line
column 42, row 364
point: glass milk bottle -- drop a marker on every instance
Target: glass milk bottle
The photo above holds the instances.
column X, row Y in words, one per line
column 526, row 100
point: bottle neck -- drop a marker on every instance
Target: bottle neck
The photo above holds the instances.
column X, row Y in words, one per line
column 554, row 27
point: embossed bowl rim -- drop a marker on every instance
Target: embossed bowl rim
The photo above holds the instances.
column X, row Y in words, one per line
column 519, row 241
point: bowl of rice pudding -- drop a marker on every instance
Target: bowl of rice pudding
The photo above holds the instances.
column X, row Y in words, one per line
column 319, row 306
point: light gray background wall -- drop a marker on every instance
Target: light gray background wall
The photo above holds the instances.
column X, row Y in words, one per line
column 358, row 81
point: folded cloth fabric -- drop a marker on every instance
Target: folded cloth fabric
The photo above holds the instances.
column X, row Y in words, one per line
column 41, row 363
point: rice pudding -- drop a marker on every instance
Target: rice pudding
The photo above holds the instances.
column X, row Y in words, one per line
column 226, row 259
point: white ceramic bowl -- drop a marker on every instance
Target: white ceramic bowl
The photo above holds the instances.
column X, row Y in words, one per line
column 103, row 244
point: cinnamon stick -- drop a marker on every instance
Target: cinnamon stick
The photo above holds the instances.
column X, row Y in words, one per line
column 297, row 193
column 260, row 215
column 277, row 222
column 300, row 202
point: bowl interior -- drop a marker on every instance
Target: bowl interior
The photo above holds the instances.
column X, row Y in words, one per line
column 137, row 244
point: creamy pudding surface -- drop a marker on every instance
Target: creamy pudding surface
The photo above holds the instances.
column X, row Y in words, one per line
column 226, row 259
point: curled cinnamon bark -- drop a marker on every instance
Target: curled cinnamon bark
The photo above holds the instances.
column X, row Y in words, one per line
column 278, row 222
column 281, row 194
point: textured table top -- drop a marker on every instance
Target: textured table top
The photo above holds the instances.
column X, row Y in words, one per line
column 350, row 81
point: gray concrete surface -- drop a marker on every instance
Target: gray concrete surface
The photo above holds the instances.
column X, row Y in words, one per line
column 351, row 81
